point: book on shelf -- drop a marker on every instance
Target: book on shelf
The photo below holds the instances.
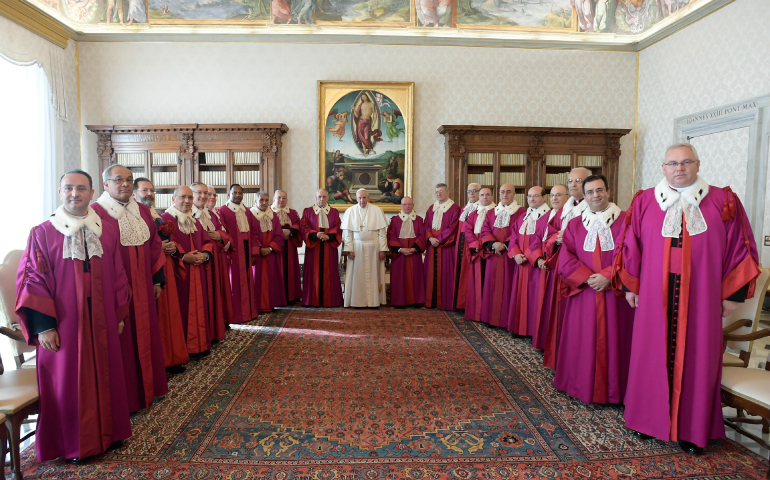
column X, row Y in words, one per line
column 558, row 160
column 248, row 199
column 163, row 200
column 214, row 177
column 553, row 179
column 216, row 158
column 165, row 179
column 513, row 178
column 513, row 159
column 520, row 199
column 247, row 177
column 589, row 160
column 131, row 159
column 481, row 158
column 241, row 158
column 164, row 158
column 222, row 199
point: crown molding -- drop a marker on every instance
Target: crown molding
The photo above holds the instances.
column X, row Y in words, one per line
column 36, row 21
column 692, row 15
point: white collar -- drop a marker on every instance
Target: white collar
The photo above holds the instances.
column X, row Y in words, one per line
column 117, row 209
column 403, row 216
column 667, row 196
column 371, row 216
column 573, row 204
column 529, row 224
column 258, row 214
column 236, row 207
column 276, row 209
column 443, row 207
column 536, row 213
column 510, row 209
column 480, row 207
column 68, row 225
column 605, row 218
column 317, row 209
column 185, row 221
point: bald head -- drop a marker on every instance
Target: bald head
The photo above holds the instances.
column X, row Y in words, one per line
column 559, row 196
column 485, row 196
column 183, row 198
column 119, row 182
column 536, row 197
column 507, row 194
column 407, row 205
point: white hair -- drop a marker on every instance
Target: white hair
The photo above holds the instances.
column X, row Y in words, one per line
column 107, row 171
column 581, row 169
column 683, row 145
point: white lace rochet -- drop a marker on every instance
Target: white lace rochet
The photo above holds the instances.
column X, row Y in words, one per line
column 504, row 213
column 675, row 204
column 599, row 226
column 240, row 216
column 469, row 208
column 481, row 213
column 407, row 225
column 81, row 235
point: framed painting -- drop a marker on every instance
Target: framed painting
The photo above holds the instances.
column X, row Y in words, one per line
column 365, row 132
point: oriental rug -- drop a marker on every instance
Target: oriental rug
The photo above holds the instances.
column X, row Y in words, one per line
column 368, row 394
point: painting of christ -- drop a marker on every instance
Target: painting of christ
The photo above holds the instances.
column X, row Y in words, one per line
column 366, row 143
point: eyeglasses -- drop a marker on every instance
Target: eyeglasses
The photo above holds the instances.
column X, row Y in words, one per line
column 575, row 180
column 70, row 188
column 534, row 196
column 557, row 195
column 598, row 191
column 684, row 163
column 471, row 191
column 121, row 181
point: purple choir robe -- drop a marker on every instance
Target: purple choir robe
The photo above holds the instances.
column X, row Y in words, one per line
column 595, row 338
column 462, row 261
column 530, row 288
column 141, row 343
column 440, row 261
column 193, row 288
column 245, row 293
column 290, row 258
column 549, row 315
column 83, row 405
column 268, row 270
column 220, row 295
column 714, row 265
column 407, row 284
column 501, row 274
column 477, row 262
column 321, row 282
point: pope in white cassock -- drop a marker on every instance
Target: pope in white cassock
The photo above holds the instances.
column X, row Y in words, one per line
column 365, row 238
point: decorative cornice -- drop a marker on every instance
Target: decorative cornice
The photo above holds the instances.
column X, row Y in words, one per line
column 36, row 21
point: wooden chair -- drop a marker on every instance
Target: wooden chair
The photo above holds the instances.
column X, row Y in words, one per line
column 23, row 353
column 18, row 400
column 744, row 321
column 3, row 444
column 748, row 391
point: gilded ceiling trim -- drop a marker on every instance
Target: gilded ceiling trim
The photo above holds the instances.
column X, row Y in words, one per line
column 35, row 21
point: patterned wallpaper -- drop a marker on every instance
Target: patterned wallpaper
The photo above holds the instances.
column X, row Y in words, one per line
column 731, row 147
column 694, row 70
column 145, row 83
column 23, row 45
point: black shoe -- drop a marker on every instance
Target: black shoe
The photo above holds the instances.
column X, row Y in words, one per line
column 75, row 461
column 691, row 448
column 642, row 436
column 175, row 369
column 115, row 445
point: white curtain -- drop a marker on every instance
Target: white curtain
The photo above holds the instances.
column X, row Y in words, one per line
column 32, row 151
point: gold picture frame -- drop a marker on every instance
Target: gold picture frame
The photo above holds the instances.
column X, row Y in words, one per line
column 365, row 140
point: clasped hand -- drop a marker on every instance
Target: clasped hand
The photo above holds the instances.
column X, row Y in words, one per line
column 322, row 237
column 434, row 241
column 168, row 247
column 194, row 258
column 598, row 282
column 216, row 236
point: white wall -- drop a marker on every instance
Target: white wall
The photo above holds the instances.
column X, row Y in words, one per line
column 146, row 83
column 722, row 58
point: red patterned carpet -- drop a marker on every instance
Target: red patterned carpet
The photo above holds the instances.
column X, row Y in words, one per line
column 368, row 394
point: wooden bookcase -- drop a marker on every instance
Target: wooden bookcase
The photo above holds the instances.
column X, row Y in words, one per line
column 215, row 154
column 526, row 156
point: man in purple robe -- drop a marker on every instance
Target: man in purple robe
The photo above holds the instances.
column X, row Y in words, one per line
column 595, row 339
column 441, row 223
column 477, row 255
column 696, row 240
column 72, row 297
column 462, row 253
column 320, row 229
column 140, row 249
column 500, row 277
column 527, row 237
column 406, row 243
column 195, row 248
column 268, row 270
column 289, row 220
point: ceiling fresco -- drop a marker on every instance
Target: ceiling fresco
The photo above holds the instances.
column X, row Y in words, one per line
column 473, row 18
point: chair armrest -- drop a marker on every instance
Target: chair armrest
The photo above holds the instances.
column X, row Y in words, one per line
column 736, row 325
column 13, row 334
column 749, row 336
